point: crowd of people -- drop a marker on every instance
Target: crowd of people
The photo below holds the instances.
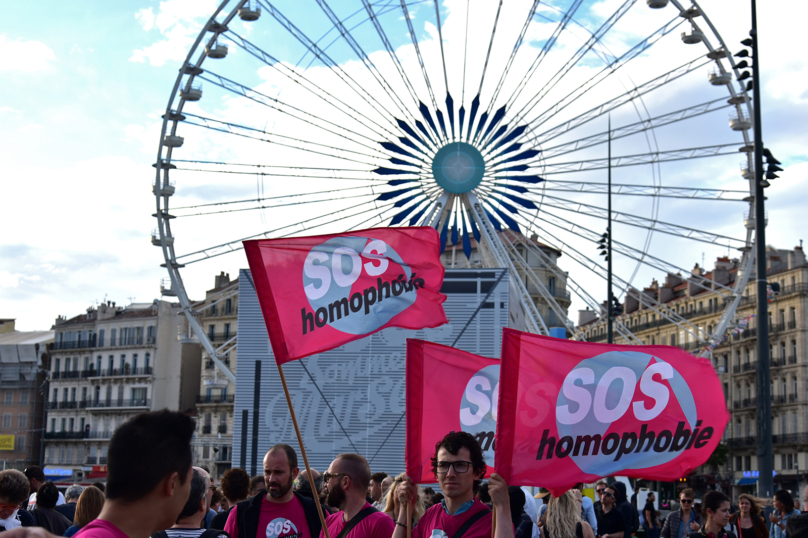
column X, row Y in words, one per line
column 153, row 491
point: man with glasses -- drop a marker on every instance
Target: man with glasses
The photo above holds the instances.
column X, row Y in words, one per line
column 610, row 520
column 600, row 487
column 277, row 511
column 346, row 486
column 459, row 467
column 684, row 521
column 14, row 487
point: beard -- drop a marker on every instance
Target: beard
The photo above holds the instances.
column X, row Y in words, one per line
column 335, row 497
column 282, row 490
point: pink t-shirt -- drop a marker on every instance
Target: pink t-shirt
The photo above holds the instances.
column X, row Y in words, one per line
column 99, row 528
column 376, row 525
column 436, row 523
column 277, row 520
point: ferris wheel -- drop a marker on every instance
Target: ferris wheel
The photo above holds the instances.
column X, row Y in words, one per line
column 312, row 116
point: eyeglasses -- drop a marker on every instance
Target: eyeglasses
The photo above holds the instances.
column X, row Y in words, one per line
column 601, row 490
column 10, row 507
column 686, row 501
column 442, row 467
column 607, row 494
column 328, row 476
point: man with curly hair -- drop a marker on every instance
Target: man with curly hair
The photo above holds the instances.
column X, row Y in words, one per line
column 236, row 488
column 14, row 487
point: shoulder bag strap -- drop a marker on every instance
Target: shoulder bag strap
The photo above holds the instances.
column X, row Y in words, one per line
column 469, row 522
column 355, row 521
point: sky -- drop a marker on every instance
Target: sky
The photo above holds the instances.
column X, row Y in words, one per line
column 82, row 94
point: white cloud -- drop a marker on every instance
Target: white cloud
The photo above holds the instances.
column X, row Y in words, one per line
column 179, row 22
column 25, row 56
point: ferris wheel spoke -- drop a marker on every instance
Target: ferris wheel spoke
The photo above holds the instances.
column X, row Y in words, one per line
column 634, row 128
column 576, row 57
column 280, row 106
column 604, row 73
column 546, row 48
column 418, row 52
column 658, row 191
column 321, row 55
column 616, row 102
column 278, row 174
column 632, row 252
column 263, row 136
column 302, row 81
column 440, row 40
column 308, row 224
column 641, row 222
column 364, row 58
column 637, row 159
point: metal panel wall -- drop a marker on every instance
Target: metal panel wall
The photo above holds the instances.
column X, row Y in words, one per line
column 351, row 399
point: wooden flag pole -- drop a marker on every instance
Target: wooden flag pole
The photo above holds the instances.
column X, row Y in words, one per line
column 409, row 520
column 493, row 521
column 303, row 451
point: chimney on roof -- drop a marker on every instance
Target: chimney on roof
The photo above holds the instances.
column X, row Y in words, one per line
column 222, row 280
column 586, row 316
column 534, row 236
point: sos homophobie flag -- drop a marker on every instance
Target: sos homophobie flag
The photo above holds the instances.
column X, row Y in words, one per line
column 320, row 292
column 575, row 411
column 447, row 390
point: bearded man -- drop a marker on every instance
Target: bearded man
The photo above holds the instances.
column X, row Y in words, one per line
column 277, row 511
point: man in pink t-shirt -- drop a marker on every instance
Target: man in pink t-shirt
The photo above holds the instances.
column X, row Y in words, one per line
column 459, row 466
column 148, row 476
column 278, row 511
column 346, row 484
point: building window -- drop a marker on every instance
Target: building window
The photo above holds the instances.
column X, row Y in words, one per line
column 6, row 420
column 112, row 334
column 110, row 364
column 73, row 395
column 67, row 364
column 56, row 364
column 148, row 360
column 101, row 334
column 150, row 332
column 794, row 348
column 19, row 443
column 61, row 454
column 64, row 425
column 205, row 452
column 53, row 425
column 72, row 424
column 83, row 395
column 211, row 332
column 134, row 362
column 226, row 331
column 24, row 397
column 228, row 306
column 139, row 396
column 9, row 397
column 748, row 463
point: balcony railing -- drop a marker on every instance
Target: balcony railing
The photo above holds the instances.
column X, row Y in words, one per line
column 776, row 363
column 66, row 374
column 792, row 359
column 79, row 435
column 779, row 399
column 749, row 402
column 749, row 366
column 215, row 399
column 735, row 442
column 102, row 460
column 118, row 402
column 91, row 460
column 78, row 344
column 793, row 398
column 790, row 438
column 207, row 428
column 778, row 327
column 222, row 428
column 792, row 325
column 117, row 372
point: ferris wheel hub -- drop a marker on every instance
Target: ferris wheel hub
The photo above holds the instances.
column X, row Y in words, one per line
column 458, row 167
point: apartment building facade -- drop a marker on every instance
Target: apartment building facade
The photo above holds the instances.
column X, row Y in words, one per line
column 23, row 363
column 106, row 366
column 218, row 315
column 735, row 361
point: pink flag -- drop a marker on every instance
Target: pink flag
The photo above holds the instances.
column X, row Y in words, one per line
column 447, row 390
column 320, row 292
column 575, row 411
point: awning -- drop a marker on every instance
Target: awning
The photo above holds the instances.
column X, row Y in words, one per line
column 747, row 481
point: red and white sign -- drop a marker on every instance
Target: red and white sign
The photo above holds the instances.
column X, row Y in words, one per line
column 574, row 412
column 320, row 292
column 447, row 390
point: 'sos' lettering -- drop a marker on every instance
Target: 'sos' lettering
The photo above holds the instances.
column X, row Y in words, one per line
column 575, row 391
column 315, row 267
column 482, row 400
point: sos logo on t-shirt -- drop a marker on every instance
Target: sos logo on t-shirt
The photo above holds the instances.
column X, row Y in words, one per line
column 438, row 533
column 282, row 528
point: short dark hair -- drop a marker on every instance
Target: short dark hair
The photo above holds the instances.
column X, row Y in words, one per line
column 235, row 484
column 35, row 472
column 199, row 487
column 482, row 494
column 453, row 442
column 48, row 496
column 714, row 499
column 255, row 481
column 99, row 485
column 290, row 453
column 14, row 486
column 785, row 497
column 358, row 468
column 378, row 477
column 146, row 449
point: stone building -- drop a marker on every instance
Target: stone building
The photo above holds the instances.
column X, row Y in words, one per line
column 107, row 365
column 735, row 361
column 23, row 362
column 218, row 315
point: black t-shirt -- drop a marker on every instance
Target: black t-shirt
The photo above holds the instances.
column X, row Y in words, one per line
column 649, row 508
column 610, row 522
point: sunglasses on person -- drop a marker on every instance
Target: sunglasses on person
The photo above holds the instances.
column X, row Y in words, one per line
column 686, row 501
column 607, row 494
column 442, row 467
column 328, row 476
column 600, row 491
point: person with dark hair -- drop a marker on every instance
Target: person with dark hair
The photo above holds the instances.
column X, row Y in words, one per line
column 747, row 522
column 650, row 521
column 256, row 485
column 483, row 495
column 610, row 520
column 36, row 477
column 99, row 485
column 346, row 485
column 44, row 513
column 797, row 526
column 600, row 487
column 684, row 521
column 375, row 487
column 303, row 487
column 783, row 511
column 148, row 476
column 715, row 506
column 277, row 511
column 459, row 467
column 88, row 508
column 14, row 488
column 235, row 488
column 522, row 524
column 189, row 521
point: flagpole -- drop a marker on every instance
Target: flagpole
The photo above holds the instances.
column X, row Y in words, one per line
column 303, row 451
column 493, row 520
column 409, row 517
